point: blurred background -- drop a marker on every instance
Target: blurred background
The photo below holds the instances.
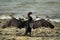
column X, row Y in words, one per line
column 46, row 9
column 40, row 8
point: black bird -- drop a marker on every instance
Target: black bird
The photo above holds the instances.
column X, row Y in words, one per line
column 29, row 24
column 28, row 28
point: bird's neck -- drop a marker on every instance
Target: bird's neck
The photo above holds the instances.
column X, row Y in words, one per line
column 29, row 16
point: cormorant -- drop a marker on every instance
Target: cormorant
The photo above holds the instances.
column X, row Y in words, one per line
column 28, row 28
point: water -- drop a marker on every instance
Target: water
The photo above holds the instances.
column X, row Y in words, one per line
column 38, row 7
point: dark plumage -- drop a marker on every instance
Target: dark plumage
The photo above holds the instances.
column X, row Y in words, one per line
column 41, row 23
column 28, row 28
column 13, row 22
column 29, row 24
